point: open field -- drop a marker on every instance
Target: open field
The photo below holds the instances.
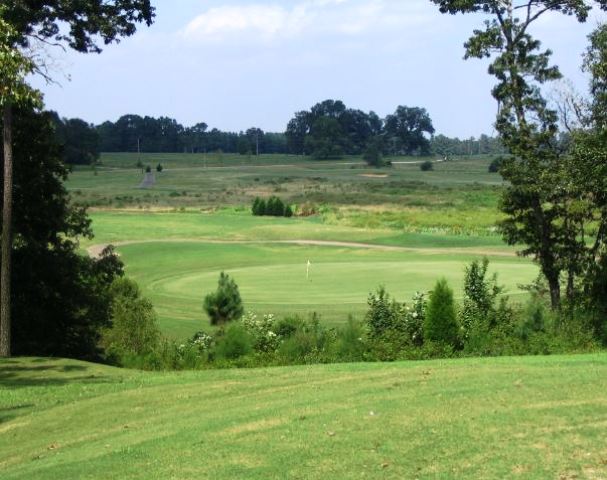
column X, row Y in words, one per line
column 176, row 237
column 534, row 417
column 459, row 195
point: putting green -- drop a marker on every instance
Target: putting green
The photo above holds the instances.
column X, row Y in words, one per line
column 273, row 278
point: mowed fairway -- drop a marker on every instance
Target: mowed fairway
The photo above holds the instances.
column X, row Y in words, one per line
column 273, row 277
column 528, row 418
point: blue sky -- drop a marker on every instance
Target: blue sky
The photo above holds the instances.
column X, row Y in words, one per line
column 235, row 64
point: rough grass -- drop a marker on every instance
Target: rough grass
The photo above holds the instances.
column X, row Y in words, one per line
column 540, row 418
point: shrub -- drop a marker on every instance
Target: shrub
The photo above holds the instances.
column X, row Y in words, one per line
column 224, row 304
column 413, row 319
column 440, row 324
column 159, row 168
column 234, row 343
column 351, row 346
column 288, row 211
column 275, row 207
column 259, row 207
column 133, row 330
column 148, row 169
column 383, row 313
column 426, row 166
column 262, row 331
column 373, row 153
column 480, row 294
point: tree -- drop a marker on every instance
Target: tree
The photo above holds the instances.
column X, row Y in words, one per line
column 408, row 126
column 325, row 139
column 440, row 324
column 134, row 330
column 225, row 304
column 21, row 22
column 60, row 297
column 259, row 207
column 535, row 210
column 14, row 67
column 79, row 140
column 373, row 153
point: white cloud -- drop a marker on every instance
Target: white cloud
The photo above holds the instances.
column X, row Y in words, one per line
column 270, row 21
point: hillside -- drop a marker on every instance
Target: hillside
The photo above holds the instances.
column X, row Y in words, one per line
column 538, row 417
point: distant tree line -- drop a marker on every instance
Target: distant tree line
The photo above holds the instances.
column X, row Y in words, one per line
column 328, row 130
column 131, row 133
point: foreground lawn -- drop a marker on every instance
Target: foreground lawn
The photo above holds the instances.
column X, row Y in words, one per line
column 492, row 419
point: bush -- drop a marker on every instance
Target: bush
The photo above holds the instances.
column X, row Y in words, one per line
column 225, row 304
column 426, row 166
column 133, row 331
column 288, row 211
column 234, row 343
column 275, row 207
column 440, row 324
column 480, row 295
column 373, row 153
column 159, row 168
column 383, row 313
column 259, row 207
column 148, row 169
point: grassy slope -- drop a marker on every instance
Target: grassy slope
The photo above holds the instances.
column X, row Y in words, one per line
column 492, row 419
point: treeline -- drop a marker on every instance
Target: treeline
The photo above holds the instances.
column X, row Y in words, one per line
column 327, row 130
column 132, row 133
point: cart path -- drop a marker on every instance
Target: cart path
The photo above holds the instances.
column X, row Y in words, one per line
column 95, row 250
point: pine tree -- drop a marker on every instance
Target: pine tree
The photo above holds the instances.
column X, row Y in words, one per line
column 440, row 324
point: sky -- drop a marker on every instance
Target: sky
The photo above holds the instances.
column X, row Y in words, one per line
column 236, row 64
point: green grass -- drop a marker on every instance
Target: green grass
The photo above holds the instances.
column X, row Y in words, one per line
column 445, row 218
column 538, row 418
column 177, row 258
column 188, row 181
column 272, row 278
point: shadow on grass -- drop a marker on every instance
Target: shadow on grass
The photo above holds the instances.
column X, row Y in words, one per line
column 8, row 413
column 14, row 375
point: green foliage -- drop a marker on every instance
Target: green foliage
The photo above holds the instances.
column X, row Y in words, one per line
column 224, row 304
column 148, row 169
column 373, row 153
column 426, row 166
column 159, row 168
column 495, row 165
column 60, row 297
column 259, row 207
column 288, row 211
column 274, row 207
column 134, row 331
column 262, row 331
column 235, row 343
column 405, row 131
column 440, row 324
column 78, row 139
column 383, row 313
column 480, row 295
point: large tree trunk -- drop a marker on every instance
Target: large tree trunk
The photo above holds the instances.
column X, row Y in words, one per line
column 7, row 235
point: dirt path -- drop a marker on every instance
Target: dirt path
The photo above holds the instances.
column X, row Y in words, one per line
column 95, row 250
